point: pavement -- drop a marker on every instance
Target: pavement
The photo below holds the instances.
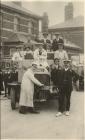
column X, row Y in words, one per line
column 44, row 125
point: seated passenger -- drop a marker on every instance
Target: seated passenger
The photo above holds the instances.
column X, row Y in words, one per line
column 28, row 51
column 17, row 56
column 40, row 56
column 61, row 54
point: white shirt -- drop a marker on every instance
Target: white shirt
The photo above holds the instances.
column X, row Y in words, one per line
column 62, row 55
column 17, row 56
column 41, row 59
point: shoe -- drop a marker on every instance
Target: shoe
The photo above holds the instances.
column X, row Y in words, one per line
column 58, row 114
column 34, row 111
column 67, row 113
column 22, row 110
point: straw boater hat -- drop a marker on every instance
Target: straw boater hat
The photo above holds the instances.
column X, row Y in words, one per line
column 57, row 33
column 67, row 61
column 60, row 41
column 45, row 33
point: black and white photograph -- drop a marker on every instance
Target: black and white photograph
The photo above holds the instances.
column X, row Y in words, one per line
column 42, row 69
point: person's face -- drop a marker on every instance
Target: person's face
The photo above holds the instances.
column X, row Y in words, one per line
column 60, row 46
column 45, row 35
column 66, row 64
column 57, row 36
column 40, row 47
column 27, row 49
column 18, row 49
column 29, row 38
column 56, row 62
column 34, row 67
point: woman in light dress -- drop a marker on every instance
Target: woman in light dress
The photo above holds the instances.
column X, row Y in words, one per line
column 61, row 54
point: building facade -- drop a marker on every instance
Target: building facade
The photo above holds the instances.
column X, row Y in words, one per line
column 72, row 29
column 15, row 20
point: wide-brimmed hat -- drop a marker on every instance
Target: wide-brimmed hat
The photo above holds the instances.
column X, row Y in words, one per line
column 57, row 33
column 67, row 61
column 39, row 43
column 45, row 33
column 56, row 58
column 19, row 46
column 60, row 41
column 34, row 63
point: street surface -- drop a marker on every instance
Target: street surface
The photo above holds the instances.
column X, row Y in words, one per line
column 45, row 124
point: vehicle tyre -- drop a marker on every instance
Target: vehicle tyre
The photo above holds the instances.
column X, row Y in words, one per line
column 13, row 99
column 77, row 85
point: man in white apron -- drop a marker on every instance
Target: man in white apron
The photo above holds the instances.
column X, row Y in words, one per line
column 27, row 89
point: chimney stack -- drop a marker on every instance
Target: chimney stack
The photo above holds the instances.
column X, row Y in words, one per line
column 69, row 11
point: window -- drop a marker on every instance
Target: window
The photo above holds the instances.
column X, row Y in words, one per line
column 8, row 17
column 6, row 51
column 8, row 25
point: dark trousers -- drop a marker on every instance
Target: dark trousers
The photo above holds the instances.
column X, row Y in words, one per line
column 64, row 99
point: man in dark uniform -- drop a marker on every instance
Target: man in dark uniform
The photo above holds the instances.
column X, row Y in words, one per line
column 1, row 81
column 66, row 88
column 6, row 79
column 55, row 42
column 46, row 41
column 54, row 69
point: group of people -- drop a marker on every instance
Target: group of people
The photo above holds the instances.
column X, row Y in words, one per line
column 61, row 76
column 7, row 76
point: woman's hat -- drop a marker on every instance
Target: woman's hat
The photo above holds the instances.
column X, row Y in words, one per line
column 34, row 63
column 61, row 41
column 56, row 58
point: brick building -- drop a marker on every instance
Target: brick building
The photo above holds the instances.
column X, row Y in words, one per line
column 16, row 22
column 72, row 29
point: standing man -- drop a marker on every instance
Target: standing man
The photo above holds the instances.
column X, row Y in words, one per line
column 1, row 80
column 65, row 90
column 46, row 41
column 55, row 42
column 6, row 80
column 27, row 90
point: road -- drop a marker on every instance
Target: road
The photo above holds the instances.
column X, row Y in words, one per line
column 45, row 124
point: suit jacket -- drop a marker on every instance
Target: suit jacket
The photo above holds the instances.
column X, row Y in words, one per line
column 55, row 45
column 68, row 78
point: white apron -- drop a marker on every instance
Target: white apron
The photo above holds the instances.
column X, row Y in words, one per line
column 27, row 88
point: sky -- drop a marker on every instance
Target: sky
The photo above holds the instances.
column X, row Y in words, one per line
column 54, row 9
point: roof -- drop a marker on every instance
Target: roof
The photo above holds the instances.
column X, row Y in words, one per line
column 19, row 9
column 72, row 23
column 16, row 37
column 71, row 45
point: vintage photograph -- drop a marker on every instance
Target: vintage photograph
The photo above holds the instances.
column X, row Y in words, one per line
column 42, row 69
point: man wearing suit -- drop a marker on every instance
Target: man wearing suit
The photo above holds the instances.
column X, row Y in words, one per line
column 55, row 42
column 65, row 88
column 46, row 41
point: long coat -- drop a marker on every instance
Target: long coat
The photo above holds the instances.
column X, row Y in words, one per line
column 27, row 88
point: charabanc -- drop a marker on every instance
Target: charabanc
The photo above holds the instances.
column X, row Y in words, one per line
column 43, row 75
